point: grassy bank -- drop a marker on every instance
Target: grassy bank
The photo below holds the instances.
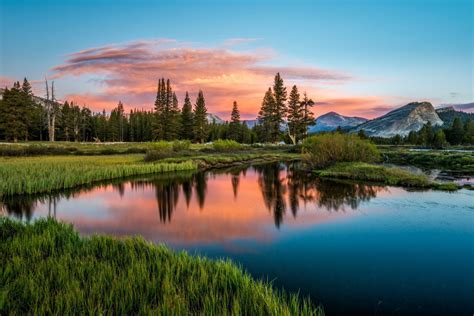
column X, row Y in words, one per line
column 47, row 268
column 380, row 174
column 28, row 175
column 432, row 159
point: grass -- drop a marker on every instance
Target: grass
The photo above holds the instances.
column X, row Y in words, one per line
column 433, row 159
column 380, row 174
column 43, row 174
column 47, row 268
column 27, row 175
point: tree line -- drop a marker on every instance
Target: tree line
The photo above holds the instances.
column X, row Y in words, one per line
column 24, row 117
column 458, row 133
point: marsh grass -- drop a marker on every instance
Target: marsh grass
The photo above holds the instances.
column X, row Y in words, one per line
column 47, row 268
column 381, row 174
column 27, row 175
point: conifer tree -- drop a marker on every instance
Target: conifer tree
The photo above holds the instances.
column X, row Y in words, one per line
column 235, row 130
column 187, row 121
column 266, row 119
column 296, row 119
column 279, row 94
column 200, row 118
column 457, row 132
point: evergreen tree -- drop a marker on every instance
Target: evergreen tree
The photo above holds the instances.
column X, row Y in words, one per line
column 426, row 134
column 187, row 123
column 200, row 118
column 279, row 114
column 296, row 119
column 308, row 115
column 14, row 113
column 439, row 139
column 469, row 132
column 235, row 131
column 266, row 118
column 457, row 132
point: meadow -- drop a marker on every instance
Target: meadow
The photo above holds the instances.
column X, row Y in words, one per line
column 20, row 174
column 47, row 268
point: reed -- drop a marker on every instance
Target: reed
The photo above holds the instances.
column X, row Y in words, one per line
column 29, row 175
column 49, row 269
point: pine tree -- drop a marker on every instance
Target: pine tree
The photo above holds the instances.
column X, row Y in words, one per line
column 307, row 114
column 457, row 132
column 439, row 139
column 296, row 119
column 279, row 94
column 469, row 132
column 13, row 114
column 159, row 110
column 235, row 130
column 200, row 118
column 266, row 118
column 187, row 123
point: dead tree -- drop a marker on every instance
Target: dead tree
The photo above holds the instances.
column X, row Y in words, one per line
column 52, row 109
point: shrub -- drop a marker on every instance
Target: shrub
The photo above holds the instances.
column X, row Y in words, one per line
column 181, row 145
column 327, row 149
column 226, row 145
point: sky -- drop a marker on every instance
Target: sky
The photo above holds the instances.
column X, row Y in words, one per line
column 358, row 58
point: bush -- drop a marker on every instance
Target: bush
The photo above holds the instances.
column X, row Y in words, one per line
column 181, row 145
column 324, row 150
column 225, row 145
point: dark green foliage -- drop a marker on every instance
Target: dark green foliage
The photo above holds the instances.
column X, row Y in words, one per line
column 235, row 128
column 326, row 149
column 267, row 130
column 49, row 269
column 456, row 161
column 167, row 114
column 200, row 118
column 16, row 109
column 187, row 120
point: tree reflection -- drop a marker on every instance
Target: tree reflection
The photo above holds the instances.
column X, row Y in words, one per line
column 281, row 185
column 273, row 188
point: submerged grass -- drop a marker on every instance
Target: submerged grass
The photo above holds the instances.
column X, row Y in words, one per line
column 27, row 175
column 47, row 268
column 385, row 175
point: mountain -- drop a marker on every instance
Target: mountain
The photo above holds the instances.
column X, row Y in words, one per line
column 449, row 113
column 214, row 118
column 330, row 121
column 402, row 121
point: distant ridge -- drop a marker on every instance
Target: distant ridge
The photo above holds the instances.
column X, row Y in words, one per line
column 332, row 120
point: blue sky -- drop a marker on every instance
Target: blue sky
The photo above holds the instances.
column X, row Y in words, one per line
column 390, row 52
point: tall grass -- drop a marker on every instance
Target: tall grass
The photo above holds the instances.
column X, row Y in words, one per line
column 47, row 268
column 46, row 174
column 327, row 149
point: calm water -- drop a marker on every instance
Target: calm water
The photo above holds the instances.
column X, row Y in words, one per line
column 356, row 249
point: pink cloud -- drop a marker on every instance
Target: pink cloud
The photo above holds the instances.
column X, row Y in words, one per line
column 129, row 72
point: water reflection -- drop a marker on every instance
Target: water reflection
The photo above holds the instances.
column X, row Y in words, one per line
column 203, row 198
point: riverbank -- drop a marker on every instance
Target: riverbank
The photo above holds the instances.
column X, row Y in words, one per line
column 43, row 174
column 383, row 175
column 455, row 161
column 49, row 269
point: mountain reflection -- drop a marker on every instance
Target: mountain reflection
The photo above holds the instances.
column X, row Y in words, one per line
column 225, row 201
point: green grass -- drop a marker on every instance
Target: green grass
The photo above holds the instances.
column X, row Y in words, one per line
column 27, row 175
column 380, row 174
column 47, row 268
column 42, row 174
column 433, row 159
